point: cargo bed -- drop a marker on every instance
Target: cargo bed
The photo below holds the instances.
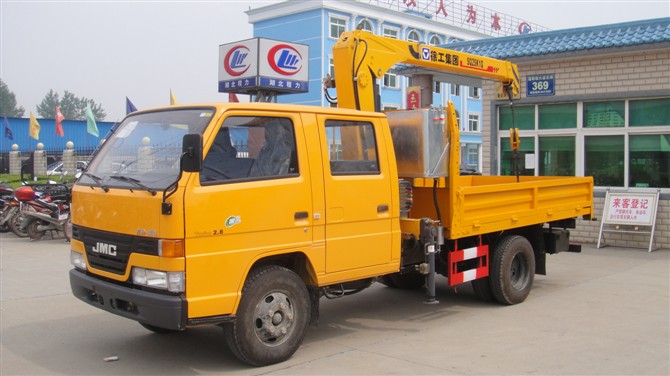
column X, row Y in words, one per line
column 487, row 204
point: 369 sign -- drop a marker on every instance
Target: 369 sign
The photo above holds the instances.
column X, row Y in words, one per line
column 539, row 85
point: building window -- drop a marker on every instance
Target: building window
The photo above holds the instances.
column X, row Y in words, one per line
column 337, row 26
column 365, row 25
column 435, row 40
column 604, row 160
column 649, row 161
column 623, row 143
column 604, row 114
column 331, row 67
column 649, row 112
column 474, row 92
column 391, row 81
column 473, row 123
column 508, row 164
column 470, row 157
column 558, row 116
column 524, row 118
column 390, row 32
column 353, row 148
column 455, row 90
column 413, row 36
column 437, row 88
column 557, row 156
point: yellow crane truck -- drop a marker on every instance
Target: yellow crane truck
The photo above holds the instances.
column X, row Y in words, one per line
column 244, row 215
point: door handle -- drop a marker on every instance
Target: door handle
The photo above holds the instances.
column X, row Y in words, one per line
column 301, row 215
column 382, row 208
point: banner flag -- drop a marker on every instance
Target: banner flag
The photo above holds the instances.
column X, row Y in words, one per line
column 34, row 130
column 8, row 130
column 91, row 127
column 59, row 122
column 130, row 107
column 173, row 101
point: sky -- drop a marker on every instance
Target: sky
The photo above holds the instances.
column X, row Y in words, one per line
column 110, row 50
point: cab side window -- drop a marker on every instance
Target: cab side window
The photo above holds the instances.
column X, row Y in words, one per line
column 352, row 148
column 251, row 148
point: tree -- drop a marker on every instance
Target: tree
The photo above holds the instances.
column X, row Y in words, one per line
column 8, row 105
column 47, row 108
column 71, row 106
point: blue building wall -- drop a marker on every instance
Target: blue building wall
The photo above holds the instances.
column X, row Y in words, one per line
column 303, row 28
column 75, row 131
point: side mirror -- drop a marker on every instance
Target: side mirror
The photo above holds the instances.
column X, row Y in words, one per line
column 191, row 157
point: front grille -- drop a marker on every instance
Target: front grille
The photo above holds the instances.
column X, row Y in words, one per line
column 113, row 250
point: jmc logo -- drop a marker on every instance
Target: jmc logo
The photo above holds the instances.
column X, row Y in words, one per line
column 285, row 59
column 236, row 63
column 104, row 249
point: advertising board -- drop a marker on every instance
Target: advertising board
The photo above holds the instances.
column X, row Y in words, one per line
column 261, row 64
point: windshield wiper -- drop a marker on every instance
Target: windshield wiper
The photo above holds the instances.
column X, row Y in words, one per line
column 134, row 182
column 97, row 180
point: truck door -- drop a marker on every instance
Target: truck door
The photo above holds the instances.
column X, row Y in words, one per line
column 252, row 199
column 358, row 194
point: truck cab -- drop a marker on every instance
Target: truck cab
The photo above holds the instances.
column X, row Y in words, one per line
column 311, row 189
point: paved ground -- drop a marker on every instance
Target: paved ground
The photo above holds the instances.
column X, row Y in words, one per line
column 602, row 311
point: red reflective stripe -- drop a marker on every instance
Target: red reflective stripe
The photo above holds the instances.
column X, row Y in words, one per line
column 456, row 278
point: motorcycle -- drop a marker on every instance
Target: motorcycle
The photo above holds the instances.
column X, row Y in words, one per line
column 48, row 212
column 48, row 216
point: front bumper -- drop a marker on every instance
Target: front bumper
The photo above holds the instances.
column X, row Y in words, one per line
column 164, row 311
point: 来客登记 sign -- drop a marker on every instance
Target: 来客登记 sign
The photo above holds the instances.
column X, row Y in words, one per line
column 630, row 208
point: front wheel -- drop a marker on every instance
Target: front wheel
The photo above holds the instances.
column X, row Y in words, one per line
column 272, row 317
column 512, row 270
column 15, row 224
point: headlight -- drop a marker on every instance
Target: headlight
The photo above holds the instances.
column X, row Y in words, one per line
column 77, row 259
column 171, row 281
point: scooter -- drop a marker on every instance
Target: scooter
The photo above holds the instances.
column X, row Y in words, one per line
column 48, row 216
column 45, row 208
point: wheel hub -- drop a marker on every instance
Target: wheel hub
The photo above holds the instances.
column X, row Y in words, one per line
column 273, row 319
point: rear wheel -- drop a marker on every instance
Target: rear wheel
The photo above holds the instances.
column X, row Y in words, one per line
column 482, row 288
column 32, row 228
column 272, row 317
column 512, row 270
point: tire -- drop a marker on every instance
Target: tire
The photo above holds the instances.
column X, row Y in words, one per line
column 409, row 281
column 512, row 270
column 158, row 330
column 33, row 232
column 4, row 228
column 482, row 289
column 272, row 317
column 15, row 225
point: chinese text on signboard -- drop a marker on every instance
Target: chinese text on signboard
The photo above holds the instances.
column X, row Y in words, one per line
column 630, row 209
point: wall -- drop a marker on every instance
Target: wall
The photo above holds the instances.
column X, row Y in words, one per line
column 620, row 75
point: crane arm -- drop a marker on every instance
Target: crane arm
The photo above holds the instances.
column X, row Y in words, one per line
column 361, row 57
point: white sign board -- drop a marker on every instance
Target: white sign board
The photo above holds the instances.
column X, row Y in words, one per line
column 263, row 64
column 630, row 208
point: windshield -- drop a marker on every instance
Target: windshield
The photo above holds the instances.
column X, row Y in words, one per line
column 144, row 151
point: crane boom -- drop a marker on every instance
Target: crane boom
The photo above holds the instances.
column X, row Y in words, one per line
column 361, row 57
